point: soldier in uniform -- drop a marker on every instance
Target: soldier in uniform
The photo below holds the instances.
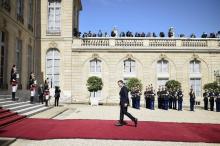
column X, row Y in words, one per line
column 180, row 99
column 32, row 85
column 205, row 96
column 147, row 98
column 211, row 100
column 192, row 99
column 171, row 99
column 57, row 95
column 159, row 97
column 165, row 98
column 152, row 98
column 133, row 96
column 174, row 95
column 13, row 81
column 217, row 101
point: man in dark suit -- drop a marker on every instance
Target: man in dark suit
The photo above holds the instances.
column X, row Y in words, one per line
column 124, row 102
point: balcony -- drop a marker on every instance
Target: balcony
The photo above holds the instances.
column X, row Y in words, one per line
column 146, row 44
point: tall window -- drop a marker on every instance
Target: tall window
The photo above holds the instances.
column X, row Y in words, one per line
column 5, row 4
column 54, row 13
column 162, row 66
column 30, row 59
column 195, row 77
column 20, row 10
column 52, row 67
column 2, row 56
column 18, row 56
column 194, row 66
column 95, row 66
column 129, row 66
column 195, row 83
column 30, row 17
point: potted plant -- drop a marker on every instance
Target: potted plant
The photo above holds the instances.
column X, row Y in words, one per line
column 172, row 85
column 94, row 84
column 135, row 87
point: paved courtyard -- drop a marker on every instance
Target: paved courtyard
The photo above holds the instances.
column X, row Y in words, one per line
column 81, row 111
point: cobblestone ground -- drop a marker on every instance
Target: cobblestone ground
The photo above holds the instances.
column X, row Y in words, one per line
column 77, row 111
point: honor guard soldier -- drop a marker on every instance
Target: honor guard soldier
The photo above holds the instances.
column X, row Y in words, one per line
column 217, row 101
column 211, row 100
column 192, row 99
column 152, row 98
column 57, row 95
column 13, row 81
column 32, row 85
column 159, row 97
column 205, row 99
column 180, row 99
column 165, row 98
column 147, row 98
column 171, row 99
column 174, row 95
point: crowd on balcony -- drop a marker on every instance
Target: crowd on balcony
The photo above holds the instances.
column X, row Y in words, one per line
column 170, row 34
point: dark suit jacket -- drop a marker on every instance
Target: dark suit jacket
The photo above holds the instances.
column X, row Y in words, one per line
column 124, row 96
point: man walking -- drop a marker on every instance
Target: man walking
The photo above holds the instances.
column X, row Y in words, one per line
column 124, row 102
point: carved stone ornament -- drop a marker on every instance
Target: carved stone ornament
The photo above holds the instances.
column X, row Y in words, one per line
column 95, row 56
column 163, row 56
column 52, row 44
column 129, row 56
column 195, row 56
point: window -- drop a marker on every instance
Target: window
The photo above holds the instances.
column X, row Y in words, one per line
column 2, row 56
column 161, row 81
column 95, row 66
column 5, row 4
column 30, row 18
column 195, row 83
column 20, row 10
column 129, row 66
column 18, row 56
column 54, row 13
column 52, row 67
column 195, row 66
column 162, row 66
column 30, row 59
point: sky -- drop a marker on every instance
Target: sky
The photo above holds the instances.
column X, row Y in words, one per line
column 186, row 16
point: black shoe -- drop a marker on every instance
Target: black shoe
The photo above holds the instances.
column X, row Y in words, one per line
column 135, row 122
column 124, row 123
column 118, row 124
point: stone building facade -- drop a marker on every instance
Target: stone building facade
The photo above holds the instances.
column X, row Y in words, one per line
column 191, row 61
column 38, row 36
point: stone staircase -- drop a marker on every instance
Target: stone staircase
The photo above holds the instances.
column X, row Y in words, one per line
column 11, row 111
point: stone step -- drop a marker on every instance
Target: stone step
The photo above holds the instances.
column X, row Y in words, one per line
column 5, row 102
column 25, row 110
column 5, row 99
column 15, row 104
column 31, row 113
column 23, row 106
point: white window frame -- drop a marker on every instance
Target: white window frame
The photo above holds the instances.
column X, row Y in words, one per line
column 97, row 65
column 193, row 69
column 20, row 8
column 131, row 72
column 52, row 75
column 161, row 65
column 54, row 28
column 162, row 79
column 30, row 17
column 194, row 87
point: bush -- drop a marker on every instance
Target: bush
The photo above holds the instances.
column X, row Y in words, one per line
column 134, row 82
column 212, row 86
column 94, row 84
column 173, row 85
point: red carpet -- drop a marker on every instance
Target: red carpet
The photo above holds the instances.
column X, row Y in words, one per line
column 40, row 129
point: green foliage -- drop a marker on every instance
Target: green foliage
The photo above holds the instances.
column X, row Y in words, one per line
column 173, row 85
column 94, row 84
column 134, row 82
column 212, row 86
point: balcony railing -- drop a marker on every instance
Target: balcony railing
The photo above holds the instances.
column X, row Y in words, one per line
column 135, row 42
